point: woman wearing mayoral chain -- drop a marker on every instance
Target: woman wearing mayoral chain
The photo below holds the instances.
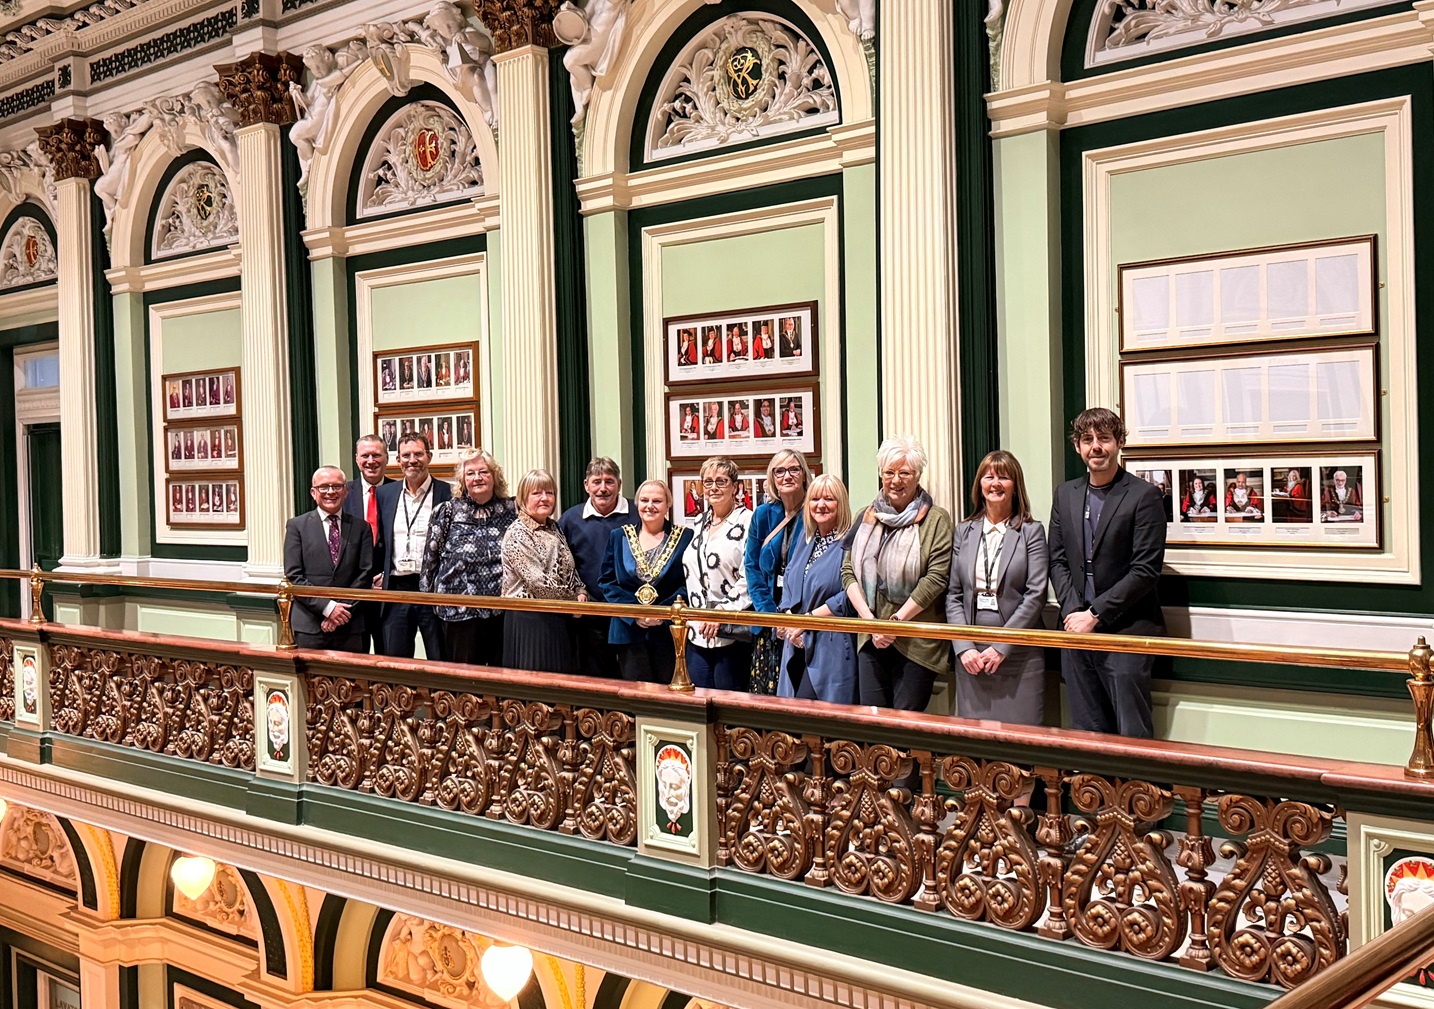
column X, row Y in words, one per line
column 644, row 566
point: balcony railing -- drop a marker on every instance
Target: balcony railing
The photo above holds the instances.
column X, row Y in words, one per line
column 1210, row 859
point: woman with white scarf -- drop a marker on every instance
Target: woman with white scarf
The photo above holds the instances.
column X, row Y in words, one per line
column 898, row 562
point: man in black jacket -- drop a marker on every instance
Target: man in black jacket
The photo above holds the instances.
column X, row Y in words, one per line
column 328, row 547
column 1107, row 545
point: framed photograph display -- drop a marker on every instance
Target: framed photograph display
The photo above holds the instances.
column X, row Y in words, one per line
column 201, row 395
column 205, row 502
column 755, row 343
column 209, row 448
column 1287, row 500
column 687, row 494
column 425, row 375
column 1279, row 293
column 1282, row 396
column 450, row 430
column 755, row 421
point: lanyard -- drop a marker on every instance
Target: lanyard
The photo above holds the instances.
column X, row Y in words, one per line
column 409, row 519
column 989, row 562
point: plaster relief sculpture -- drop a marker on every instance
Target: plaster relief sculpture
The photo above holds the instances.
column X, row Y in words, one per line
column 34, row 845
column 27, row 172
column 594, row 32
column 196, row 212
column 995, row 22
column 223, row 907
column 861, row 17
column 424, row 154
column 750, row 76
column 439, row 963
column 467, row 52
column 126, row 131
column 27, row 255
column 317, row 103
column 384, row 44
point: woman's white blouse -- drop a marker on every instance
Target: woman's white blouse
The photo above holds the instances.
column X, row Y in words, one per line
column 715, row 565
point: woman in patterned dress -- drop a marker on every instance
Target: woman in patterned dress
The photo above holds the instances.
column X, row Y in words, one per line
column 537, row 564
column 463, row 555
column 719, row 655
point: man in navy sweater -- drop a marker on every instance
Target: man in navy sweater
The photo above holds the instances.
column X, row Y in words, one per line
column 587, row 528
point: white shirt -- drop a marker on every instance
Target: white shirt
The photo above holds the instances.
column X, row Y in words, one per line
column 988, row 555
column 330, row 521
column 589, row 512
column 410, row 527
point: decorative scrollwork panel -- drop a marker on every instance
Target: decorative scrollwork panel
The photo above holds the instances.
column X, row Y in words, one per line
column 986, row 867
column 764, row 819
column 7, row 680
column 870, row 842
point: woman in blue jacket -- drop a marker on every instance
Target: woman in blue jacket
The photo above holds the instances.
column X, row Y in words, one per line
column 771, row 542
column 644, row 566
column 819, row 665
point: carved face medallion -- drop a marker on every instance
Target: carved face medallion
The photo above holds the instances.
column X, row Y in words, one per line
column 426, row 149
column 32, row 250
column 744, row 72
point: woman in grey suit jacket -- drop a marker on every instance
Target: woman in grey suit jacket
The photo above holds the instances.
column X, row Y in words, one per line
column 998, row 579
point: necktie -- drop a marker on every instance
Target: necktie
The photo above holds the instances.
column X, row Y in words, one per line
column 334, row 539
column 371, row 513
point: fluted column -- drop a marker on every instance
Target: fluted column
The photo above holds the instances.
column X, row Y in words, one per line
column 70, row 146
column 257, row 88
column 530, row 365
column 921, row 389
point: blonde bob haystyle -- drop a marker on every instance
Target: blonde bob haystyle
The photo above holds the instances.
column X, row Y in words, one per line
column 477, row 455
column 822, row 484
column 534, row 479
column 770, row 487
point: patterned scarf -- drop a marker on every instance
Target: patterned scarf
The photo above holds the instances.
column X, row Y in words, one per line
column 886, row 550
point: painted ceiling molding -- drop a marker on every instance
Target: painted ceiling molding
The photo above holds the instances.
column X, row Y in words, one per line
column 1129, row 29
column 196, row 212
column 33, row 844
column 465, row 47
column 18, row 41
column 204, row 107
column 27, row 255
column 749, row 76
column 424, row 154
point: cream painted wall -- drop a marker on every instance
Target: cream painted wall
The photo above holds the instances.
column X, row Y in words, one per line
column 200, row 341
column 494, row 254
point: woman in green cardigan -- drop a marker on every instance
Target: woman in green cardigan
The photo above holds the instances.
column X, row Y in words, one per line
column 898, row 561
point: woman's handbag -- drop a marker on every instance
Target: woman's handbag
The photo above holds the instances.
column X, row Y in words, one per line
column 766, row 646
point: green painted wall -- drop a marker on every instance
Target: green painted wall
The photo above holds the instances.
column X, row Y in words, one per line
column 333, row 378
column 610, row 378
column 132, row 413
column 746, row 271
column 860, row 272
column 205, row 340
column 424, row 312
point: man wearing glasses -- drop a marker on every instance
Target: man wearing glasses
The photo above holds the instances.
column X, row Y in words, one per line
column 328, row 547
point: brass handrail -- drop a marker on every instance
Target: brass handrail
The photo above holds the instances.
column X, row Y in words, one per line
column 1361, row 977
column 1416, row 662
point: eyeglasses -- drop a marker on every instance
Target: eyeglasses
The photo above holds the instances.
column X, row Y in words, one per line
column 897, row 474
column 787, row 471
column 478, row 473
column 715, row 483
column 329, row 488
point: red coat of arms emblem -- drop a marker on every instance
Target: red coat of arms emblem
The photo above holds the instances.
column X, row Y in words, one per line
column 426, row 151
column 32, row 250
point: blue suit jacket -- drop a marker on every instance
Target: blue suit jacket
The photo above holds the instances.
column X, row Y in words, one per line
column 763, row 560
column 388, row 497
column 620, row 583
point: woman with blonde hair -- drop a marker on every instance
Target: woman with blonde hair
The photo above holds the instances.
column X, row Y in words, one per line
column 819, row 665
column 463, row 555
column 999, row 571
column 897, row 564
column 714, row 566
column 537, row 564
column 771, row 542
column 644, row 568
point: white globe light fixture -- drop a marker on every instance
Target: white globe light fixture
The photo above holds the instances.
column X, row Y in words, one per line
column 506, row 969
column 192, row 874
column 4, row 808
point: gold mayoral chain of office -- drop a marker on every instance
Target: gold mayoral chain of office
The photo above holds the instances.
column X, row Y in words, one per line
column 647, row 570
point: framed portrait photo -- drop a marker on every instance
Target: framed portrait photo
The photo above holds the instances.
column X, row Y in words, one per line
column 450, row 430
column 438, row 374
column 737, row 346
column 216, row 447
column 1285, row 500
column 201, row 395
column 204, row 502
column 688, row 496
column 754, row 421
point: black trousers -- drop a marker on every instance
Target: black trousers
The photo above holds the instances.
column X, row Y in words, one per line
column 887, row 679
column 401, row 621
column 342, row 640
column 477, row 641
column 595, row 656
column 1109, row 692
column 650, row 661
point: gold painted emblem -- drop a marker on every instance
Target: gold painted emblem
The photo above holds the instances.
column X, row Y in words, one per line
column 650, row 571
column 32, row 250
column 744, row 72
column 205, row 201
column 647, row 595
column 426, row 149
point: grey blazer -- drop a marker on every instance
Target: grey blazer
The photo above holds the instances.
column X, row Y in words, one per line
column 1021, row 583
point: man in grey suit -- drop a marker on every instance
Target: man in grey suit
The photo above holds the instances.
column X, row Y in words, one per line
column 1107, row 545
column 328, row 547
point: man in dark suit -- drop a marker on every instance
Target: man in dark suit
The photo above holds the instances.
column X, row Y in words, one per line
column 328, row 547
column 405, row 509
column 1107, row 547
column 371, row 458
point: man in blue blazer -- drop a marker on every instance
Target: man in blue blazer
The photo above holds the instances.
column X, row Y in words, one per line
column 371, row 458
column 405, row 509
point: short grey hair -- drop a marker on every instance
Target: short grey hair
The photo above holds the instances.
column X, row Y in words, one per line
column 601, row 465
column 901, row 448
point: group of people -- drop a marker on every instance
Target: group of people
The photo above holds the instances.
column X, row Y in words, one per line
column 804, row 551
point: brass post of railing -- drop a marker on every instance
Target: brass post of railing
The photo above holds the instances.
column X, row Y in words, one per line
column 286, row 603
column 1421, row 688
column 37, row 589
column 680, row 680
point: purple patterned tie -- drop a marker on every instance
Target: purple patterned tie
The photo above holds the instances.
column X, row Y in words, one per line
column 334, row 539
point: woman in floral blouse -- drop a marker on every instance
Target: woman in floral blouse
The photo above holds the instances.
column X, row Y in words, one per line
column 537, row 564
column 720, row 654
column 463, row 556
